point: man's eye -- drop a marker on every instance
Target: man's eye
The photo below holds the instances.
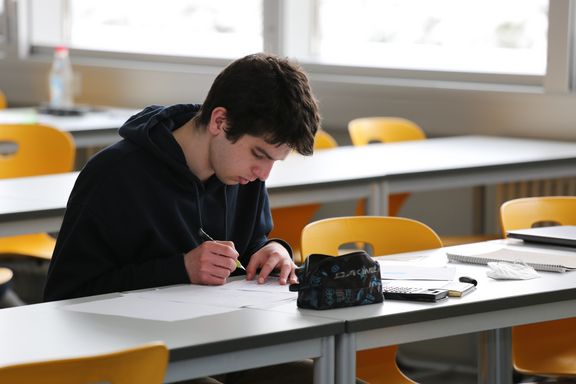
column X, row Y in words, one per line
column 257, row 155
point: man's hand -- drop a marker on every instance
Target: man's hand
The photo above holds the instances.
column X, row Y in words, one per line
column 268, row 258
column 211, row 262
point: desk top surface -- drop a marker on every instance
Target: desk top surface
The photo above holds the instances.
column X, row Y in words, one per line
column 95, row 119
column 353, row 164
column 410, row 158
column 490, row 296
column 47, row 331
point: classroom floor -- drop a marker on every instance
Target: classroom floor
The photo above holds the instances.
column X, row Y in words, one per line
column 431, row 377
column 468, row 378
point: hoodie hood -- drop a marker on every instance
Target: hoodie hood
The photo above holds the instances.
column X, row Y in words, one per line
column 151, row 130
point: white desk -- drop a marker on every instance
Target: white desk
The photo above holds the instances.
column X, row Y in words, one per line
column 493, row 308
column 34, row 204
column 343, row 173
column 381, row 169
column 96, row 127
column 198, row 347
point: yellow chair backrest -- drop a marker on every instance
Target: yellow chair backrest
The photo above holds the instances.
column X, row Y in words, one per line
column 547, row 348
column 365, row 130
column 525, row 212
column 324, row 140
column 144, row 364
column 385, row 235
column 40, row 150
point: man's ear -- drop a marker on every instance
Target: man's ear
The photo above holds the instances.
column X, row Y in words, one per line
column 217, row 122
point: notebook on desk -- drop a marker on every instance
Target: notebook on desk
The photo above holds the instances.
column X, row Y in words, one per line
column 542, row 260
column 558, row 235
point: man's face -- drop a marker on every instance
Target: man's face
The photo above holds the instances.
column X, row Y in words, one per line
column 247, row 159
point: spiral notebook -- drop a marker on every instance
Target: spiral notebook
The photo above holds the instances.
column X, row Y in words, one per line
column 539, row 260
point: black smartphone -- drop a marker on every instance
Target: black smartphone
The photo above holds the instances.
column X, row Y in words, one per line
column 413, row 293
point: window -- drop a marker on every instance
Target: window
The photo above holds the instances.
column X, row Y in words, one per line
column 489, row 36
column 206, row 28
column 445, row 36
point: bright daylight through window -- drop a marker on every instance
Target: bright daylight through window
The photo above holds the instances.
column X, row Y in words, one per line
column 489, row 36
column 206, row 28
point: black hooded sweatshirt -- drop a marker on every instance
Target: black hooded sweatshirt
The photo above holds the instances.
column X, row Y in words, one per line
column 136, row 209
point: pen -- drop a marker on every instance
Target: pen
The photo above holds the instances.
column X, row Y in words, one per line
column 206, row 237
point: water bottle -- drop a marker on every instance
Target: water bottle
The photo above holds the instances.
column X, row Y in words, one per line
column 61, row 80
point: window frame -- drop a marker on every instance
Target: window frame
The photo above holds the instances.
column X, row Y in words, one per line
column 282, row 36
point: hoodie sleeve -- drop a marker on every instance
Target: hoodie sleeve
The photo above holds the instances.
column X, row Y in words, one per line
column 85, row 263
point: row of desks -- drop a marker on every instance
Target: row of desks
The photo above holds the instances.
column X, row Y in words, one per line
column 345, row 173
column 253, row 337
column 260, row 337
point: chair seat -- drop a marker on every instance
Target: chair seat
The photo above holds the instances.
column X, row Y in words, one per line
column 372, row 363
column 545, row 349
column 40, row 245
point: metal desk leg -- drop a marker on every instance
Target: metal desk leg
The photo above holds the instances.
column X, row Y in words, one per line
column 345, row 358
column 377, row 202
column 324, row 365
column 495, row 356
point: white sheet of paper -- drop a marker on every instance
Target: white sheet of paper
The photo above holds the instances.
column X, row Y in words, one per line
column 141, row 308
column 271, row 285
column 414, row 272
column 435, row 258
column 240, row 294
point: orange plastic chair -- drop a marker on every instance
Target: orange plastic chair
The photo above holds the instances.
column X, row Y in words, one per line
column 145, row 364
column 289, row 221
column 548, row 348
column 40, row 150
column 2, row 100
column 364, row 131
column 385, row 235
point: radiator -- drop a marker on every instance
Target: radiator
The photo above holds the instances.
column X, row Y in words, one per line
column 552, row 187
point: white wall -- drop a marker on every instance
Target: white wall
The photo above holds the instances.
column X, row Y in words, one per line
column 439, row 110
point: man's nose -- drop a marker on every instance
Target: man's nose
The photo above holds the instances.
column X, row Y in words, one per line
column 263, row 171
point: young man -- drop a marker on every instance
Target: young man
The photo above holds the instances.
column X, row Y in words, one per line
column 142, row 209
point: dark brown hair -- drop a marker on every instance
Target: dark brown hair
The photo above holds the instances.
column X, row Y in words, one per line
column 265, row 96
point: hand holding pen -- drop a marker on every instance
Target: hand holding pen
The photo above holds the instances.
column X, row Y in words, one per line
column 206, row 237
column 211, row 262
